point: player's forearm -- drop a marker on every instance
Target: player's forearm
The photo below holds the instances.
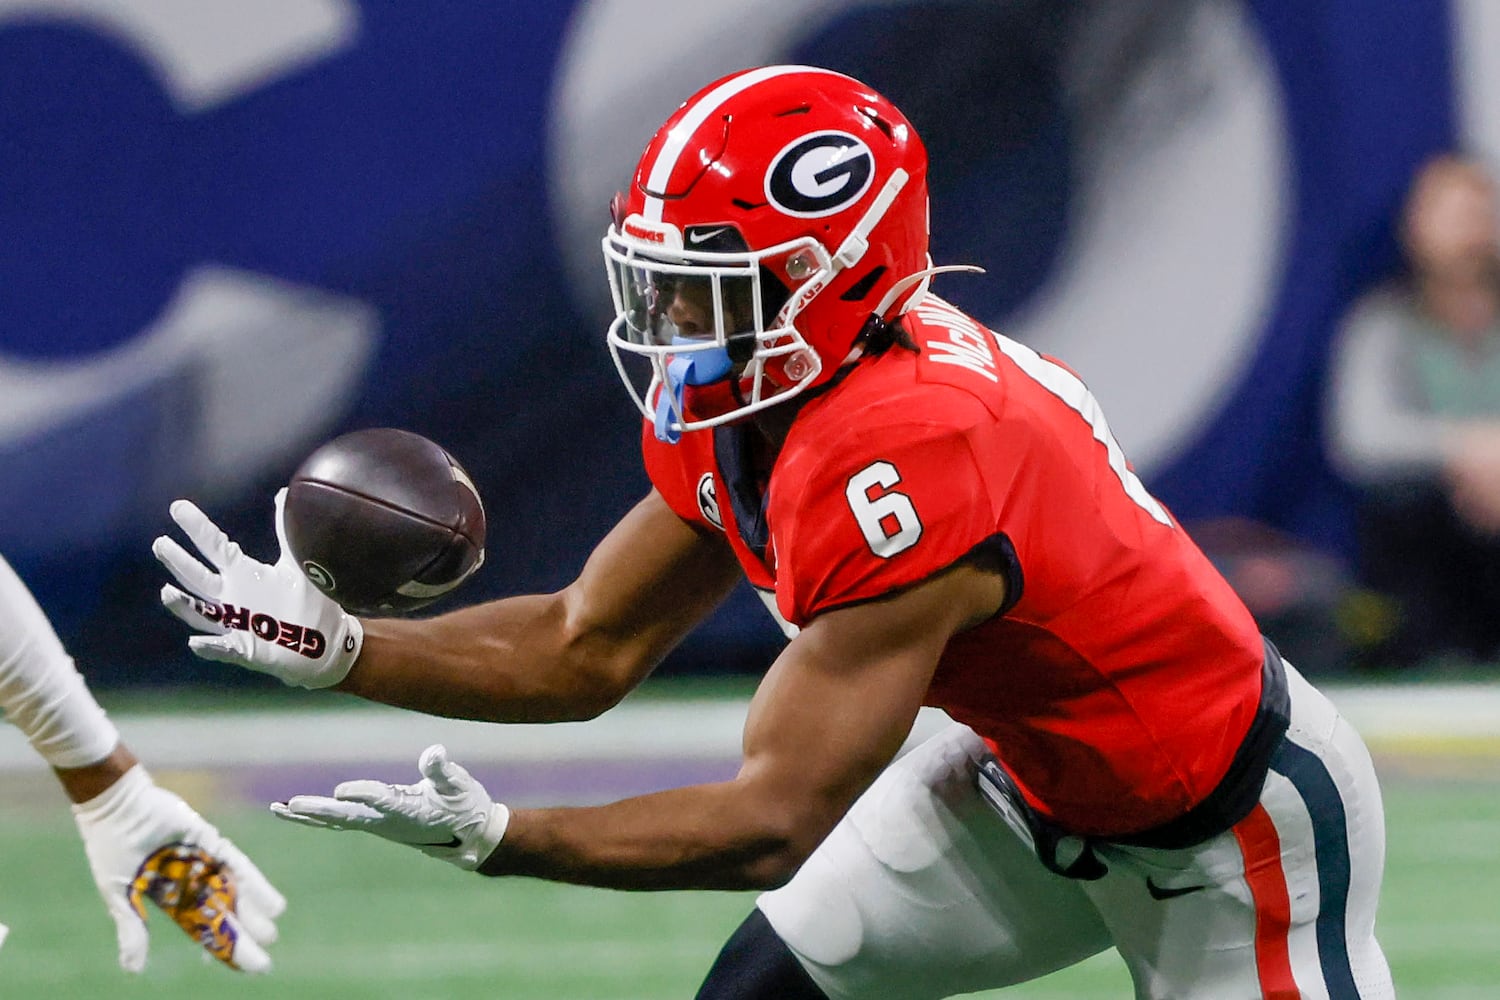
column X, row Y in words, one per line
column 701, row 837
column 87, row 782
column 41, row 691
column 516, row 660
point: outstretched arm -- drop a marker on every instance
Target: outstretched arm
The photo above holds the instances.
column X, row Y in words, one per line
column 830, row 714
column 563, row 656
column 828, row 717
column 533, row 658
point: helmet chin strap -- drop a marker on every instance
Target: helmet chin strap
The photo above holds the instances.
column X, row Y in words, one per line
column 919, row 278
column 858, row 240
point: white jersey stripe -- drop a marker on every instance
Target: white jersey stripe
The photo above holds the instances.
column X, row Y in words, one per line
column 677, row 139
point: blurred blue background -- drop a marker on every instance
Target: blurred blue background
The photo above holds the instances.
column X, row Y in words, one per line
column 229, row 231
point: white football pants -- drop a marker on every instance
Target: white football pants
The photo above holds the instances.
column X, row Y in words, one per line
column 923, row 891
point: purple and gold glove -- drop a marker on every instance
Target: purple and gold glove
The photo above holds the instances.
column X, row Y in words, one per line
column 145, row 843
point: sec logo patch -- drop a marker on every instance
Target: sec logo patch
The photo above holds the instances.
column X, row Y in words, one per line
column 708, row 501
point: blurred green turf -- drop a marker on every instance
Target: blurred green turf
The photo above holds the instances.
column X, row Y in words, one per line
column 369, row 920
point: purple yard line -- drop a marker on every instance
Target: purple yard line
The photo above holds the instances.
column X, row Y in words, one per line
column 527, row 783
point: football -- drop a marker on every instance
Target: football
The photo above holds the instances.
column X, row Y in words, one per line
column 384, row 521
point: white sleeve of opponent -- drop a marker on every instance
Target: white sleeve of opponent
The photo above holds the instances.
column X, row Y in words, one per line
column 41, row 691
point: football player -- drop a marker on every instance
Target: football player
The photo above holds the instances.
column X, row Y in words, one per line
column 142, row 841
column 940, row 516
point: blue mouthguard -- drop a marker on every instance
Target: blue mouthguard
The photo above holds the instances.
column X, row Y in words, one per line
column 693, row 368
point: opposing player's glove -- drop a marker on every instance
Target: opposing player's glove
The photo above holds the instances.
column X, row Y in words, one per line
column 447, row 814
column 145, row 843
column 264, row 617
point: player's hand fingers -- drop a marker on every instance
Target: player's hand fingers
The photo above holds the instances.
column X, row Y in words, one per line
column 196, row 887
column 255, row 925
column 130, row 934
column 279, row 501
column 257, row 902
column 207, row 536
column 368, row 796
column 186, row 569
column 366, row 790
column 188, row 608
column 255, row 890
column 447, row 777
column 326, row 812
column 230, row 647
column 284, row 811
column 247, row 955
column 330, row 812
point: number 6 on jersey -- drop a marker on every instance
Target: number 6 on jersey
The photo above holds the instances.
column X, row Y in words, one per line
column 888, row 519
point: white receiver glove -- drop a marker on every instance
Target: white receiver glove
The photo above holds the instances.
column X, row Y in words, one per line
column 264, row 617
column 145, row 843
column 447, row 814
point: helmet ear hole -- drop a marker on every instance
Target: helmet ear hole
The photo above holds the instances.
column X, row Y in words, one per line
column 861, row 288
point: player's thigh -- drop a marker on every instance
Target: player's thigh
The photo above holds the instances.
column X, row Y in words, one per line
column 1283, row 904
column 923, row 891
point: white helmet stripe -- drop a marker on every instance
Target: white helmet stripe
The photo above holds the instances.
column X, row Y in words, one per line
column 677, row 139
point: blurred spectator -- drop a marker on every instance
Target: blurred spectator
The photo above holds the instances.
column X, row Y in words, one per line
column 1414, row 420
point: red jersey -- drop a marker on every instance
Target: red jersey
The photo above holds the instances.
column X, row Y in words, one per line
column 1123, row 673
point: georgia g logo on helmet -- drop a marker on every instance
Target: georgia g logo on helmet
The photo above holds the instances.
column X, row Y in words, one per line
column 819, row 174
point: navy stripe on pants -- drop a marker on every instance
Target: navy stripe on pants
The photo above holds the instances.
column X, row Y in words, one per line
column 1315, row 785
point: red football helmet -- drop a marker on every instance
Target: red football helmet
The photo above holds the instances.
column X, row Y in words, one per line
column 770, row 218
